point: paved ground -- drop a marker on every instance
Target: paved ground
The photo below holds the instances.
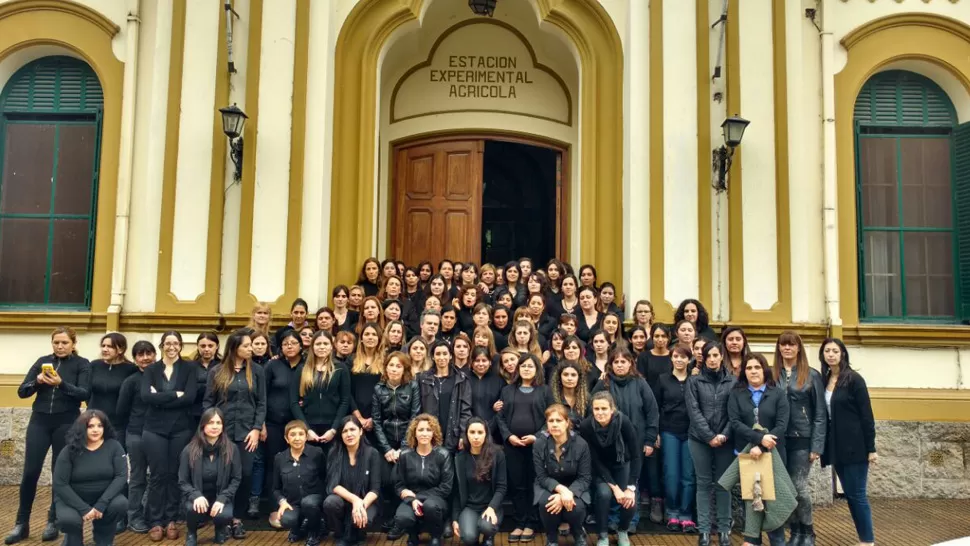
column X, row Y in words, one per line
column 897, row 523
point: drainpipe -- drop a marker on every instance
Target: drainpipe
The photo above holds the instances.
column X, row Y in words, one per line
column 125, row 167
column 830, row 235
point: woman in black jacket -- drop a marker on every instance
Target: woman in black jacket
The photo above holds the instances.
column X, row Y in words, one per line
column 206, row 358
column 280, row 373
column 209, row 475
column 564, row 474
column 423, row 482
column 298, row 482
column 89, row 481
column 615, row 448
column 480, row 473
column 132, row 409
column 635, row 399
column 487, row 385
column 569, row 388
column 805, row 439
column 758, row 411
column 60, row 381
column 851, row 445
column 678, row 467
column 238, row 388
column 446, row 394
column 522, row 416
column 107, row 375
column 320, row 392
column 353, row 485
column 710, row 430
column 168, row 388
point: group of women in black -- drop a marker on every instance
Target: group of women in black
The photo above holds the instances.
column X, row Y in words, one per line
column 430, row 397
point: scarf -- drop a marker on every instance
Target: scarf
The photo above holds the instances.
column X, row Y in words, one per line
column 610, row 436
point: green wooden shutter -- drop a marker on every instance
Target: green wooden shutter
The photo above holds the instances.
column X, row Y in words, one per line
column 903, row 99
column 53, row 85
column 961, row 197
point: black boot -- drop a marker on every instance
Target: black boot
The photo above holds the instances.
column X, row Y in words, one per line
column 253, row 511
column 808, row 535
column 312, row 539
column 704, row 539
column 724, row 538
column 50, row 532
column 19, row 532
column 579, row 537
column 222, row 534
column 191, row 538
column 414, row 538
column 448, row 533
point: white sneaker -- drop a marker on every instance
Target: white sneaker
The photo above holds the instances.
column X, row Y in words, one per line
column 603, row 541
column 622, row 538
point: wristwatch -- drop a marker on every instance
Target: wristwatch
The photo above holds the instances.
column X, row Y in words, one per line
column 632, row 488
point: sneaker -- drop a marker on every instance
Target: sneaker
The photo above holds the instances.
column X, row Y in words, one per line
column 238, row 531
column 673, row 524
column 622, row 539
column 394, row 533
column 603, row 541
column 138, row 527
column 688, row 526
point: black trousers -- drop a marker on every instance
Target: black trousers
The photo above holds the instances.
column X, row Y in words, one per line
column 471, row 524
column 44, row 431
column 246, row 458
column 137, row 478
column 550, row 522
column 435, row 510
column 521, row 478
column 309, row 508
column 194, row 519
column 275, row 442
column 338, row 513
column 71, row 522
column 163, row 453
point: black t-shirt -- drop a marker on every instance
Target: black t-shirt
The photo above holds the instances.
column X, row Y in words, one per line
column 479, row 493
column 210, row 476
column 522, row 421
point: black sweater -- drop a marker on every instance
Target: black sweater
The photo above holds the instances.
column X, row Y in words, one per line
column 91, row 479
column 168, row 412
column 542, row 400
column 852, row 430
column 75, row 384
column 106, row 381
column 672, row 401
column 362, row 392
column 201, row 381
column 651, row 367
column 606, row 458
column 368, row 460
column 635, row 399
column 498, row 480
column 486, row 391
column 322, row 405
column 424, row 476
column 279, row 376
column 131, row 408
column 190, row 476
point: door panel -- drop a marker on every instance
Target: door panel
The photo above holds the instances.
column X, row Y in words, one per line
column 438, row 202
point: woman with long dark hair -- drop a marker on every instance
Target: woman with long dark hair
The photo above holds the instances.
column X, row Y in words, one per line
column 707, row 405
column 209, row 475
column 206, row 358
column 617, row 458
column 345, row 318
column 694, row 311
column 320, row 392
column 522, row 416
column 804, row 441
column 238, row 389
column 736, row 349
column 590, row 319
column 168, row 388
column 678, row 467
column 758, row 411
column 89, row 480
column 654, row 362
column 107, row 375
column 370, row 276
column 298, row 318
column 480, row 475
column 60, row 381
column 851, row 438
column 569, row 388
column 298, row 485
column 563, row 467
column 446, row 393
column 353, row 485
column 424, row 478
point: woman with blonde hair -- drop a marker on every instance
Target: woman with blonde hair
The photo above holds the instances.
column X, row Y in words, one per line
column 394, row 338
column 260, row 318
column 483, row 337
column 525, row 338
column 425, row 474
column 321, row 395
column 420, row 354
column 371, row 310
column 364, row 375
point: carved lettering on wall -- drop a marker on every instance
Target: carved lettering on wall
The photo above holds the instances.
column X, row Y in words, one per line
column 481, row 65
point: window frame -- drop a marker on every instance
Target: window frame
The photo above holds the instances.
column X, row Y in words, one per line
column 89, row 117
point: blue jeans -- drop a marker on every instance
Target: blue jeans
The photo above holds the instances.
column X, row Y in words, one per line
column 854, row 478
column 678, row 477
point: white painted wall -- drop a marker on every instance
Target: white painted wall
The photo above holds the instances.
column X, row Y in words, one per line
column 268, row 265
column 636, row 154
column 194, row 171
column 720, row 306
column 758, row 198
column 680, row 151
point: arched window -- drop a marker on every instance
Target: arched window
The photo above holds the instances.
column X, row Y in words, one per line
column 910, row 172
column 50, row 126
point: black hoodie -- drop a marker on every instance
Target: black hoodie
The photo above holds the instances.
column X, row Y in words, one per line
column 75, row 387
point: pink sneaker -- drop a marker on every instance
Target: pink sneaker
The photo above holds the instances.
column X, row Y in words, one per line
column 688, row 526
column 673, row 524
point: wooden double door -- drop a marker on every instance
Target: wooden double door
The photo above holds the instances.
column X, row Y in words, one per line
column 477, row 199
column 438, row 202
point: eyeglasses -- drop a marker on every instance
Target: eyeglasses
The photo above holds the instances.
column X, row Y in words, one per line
column 171, row 344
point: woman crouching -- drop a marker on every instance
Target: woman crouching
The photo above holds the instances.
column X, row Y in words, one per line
column 563, row 476
column 425, row 473
column 480, row 474
column 353, row 484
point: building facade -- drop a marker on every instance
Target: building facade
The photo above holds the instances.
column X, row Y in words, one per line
column 376, row 128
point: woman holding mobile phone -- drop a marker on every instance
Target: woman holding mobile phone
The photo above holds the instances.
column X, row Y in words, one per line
column 59, row 383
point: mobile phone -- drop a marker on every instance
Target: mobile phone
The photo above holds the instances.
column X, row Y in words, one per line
column 48, row 369
column 420, row 510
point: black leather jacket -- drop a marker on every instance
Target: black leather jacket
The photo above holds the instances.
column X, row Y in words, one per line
column 461, row 405
column 808, row 416
column 392, row 410
column 707, row 404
